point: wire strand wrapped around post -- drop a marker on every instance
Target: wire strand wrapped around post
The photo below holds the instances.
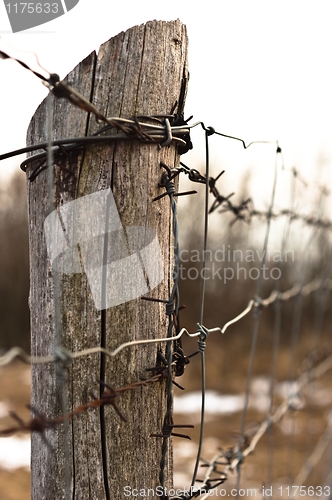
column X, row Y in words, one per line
column 172, row 306
column 139, row 129
column 163, row 131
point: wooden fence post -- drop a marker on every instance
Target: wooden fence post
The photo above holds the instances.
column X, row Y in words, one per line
column 139, row 72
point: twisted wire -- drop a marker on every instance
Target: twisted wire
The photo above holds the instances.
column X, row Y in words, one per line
column 170, row 310
column 233, row 458
column 163, row 133
column 305, row 290
column 201, row 342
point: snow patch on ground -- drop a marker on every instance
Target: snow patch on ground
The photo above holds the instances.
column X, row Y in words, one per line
column 15, row 452
column 215, row 403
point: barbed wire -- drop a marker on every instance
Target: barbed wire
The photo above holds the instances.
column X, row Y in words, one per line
column 243, row 211
column 310, row 220
column 257, row 311
column 162, row 130
column 234, row 457
column 172, row 310
column 131, row 128
column 305, row 290
column 41, row 423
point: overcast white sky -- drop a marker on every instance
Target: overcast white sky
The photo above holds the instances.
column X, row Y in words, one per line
column 258, row 70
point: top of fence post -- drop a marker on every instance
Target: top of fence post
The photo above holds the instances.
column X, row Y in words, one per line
column 142, row 71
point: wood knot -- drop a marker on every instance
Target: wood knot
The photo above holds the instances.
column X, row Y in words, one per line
column 177, row 41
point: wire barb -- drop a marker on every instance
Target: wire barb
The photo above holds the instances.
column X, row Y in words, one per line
column 164, row 130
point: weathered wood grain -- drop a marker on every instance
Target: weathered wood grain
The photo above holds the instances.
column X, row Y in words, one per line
column 137, row 72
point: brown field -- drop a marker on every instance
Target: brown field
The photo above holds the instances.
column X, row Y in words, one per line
column 276, row 460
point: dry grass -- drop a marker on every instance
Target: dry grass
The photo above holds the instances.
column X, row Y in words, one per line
column 15, row 393
column 279, row 451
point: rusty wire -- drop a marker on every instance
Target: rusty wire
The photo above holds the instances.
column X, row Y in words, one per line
column 41, row 423
column 231, row 458
column 163, row 131
column 304, row 290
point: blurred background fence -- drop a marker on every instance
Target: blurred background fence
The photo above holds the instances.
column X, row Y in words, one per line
column 273, row 345
column 264, row 251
